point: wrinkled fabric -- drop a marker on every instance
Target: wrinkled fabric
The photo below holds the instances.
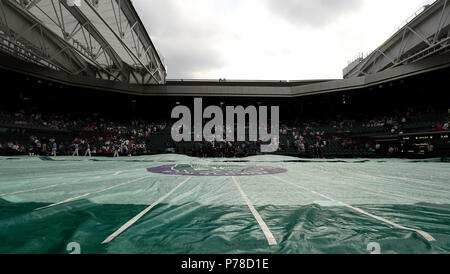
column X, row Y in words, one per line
column 209, row 215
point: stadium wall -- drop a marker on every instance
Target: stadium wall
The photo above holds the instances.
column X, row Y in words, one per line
column 234, row 89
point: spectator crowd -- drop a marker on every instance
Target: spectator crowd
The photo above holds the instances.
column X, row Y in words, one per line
column 70, row 134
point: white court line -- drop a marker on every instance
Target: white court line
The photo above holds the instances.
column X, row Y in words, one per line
column 39, row 188
column 87, row 194
column 427, row 236
column 56, row 185
column 137, row 217
column 411, row 183
column 270, row 239
column 370, row 189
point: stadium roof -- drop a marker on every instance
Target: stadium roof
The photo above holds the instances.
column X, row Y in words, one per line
column 425, row 34
column 106, row 40
column 233, row 88
column 101, row 38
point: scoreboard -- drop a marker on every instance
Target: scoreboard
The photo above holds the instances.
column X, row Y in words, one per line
column 427, row 144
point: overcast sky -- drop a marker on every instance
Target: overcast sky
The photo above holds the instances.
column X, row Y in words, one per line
column 268, row 39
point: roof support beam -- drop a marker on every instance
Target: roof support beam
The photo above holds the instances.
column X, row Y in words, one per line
column 105, row 47
column 120, row 38
column 96, row 38
column 420, row 37
column 26, row 30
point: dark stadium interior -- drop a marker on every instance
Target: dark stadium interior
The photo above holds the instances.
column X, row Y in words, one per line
column 338, row 118
column 428, row 90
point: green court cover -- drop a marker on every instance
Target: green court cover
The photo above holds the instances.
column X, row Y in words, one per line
column 172, row 204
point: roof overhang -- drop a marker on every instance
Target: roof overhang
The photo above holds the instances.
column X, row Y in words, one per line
column 101, row 38
column 232, row 88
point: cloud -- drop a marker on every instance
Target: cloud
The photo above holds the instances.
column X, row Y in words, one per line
column 191, row 62
column 188, row 38
column 312, row 13
column 268, row 39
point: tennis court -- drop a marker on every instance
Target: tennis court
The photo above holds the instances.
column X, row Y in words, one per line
column 262, row 204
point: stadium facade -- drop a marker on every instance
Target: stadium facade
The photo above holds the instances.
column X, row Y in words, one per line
column 101, row 52
column 104, row 45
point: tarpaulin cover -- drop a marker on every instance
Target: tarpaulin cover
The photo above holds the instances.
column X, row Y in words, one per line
column 309, row 206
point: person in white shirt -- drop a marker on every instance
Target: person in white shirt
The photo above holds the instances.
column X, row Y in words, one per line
column 445, row 126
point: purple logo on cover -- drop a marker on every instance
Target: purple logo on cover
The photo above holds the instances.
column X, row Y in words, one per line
column 215, row 170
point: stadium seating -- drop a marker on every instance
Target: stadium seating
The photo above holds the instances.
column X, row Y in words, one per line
column 345, row 138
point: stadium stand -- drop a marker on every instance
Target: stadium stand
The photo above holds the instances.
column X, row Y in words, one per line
column 25, row 133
